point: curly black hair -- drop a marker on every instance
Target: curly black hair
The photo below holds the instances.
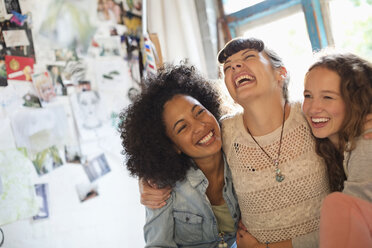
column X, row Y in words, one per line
column 150, row 153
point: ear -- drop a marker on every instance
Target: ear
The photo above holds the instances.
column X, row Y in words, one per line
column 281, row 74
column 178, row 150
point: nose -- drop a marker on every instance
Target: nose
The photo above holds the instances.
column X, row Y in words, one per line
column 315, row 106
column 235, row 65
column 198, row 126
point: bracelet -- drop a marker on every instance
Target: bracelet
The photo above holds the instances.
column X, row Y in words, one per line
column 267, row 244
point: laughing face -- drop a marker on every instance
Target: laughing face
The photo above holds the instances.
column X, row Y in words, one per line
column 192, row 128
column 249, row 73
column 323, row 105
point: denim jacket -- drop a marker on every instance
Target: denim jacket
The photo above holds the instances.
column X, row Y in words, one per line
column 187, row 220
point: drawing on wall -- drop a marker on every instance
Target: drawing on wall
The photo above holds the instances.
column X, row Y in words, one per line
column 44, row 86
column 39, row 129
column 42, row 197
column 90, row 114
column 18, row 200
column 47, row 160
column 96, row 167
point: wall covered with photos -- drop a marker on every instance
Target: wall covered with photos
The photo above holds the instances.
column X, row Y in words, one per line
column 67, row 69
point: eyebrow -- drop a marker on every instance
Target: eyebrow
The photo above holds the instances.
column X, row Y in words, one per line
column 246, row 51
column 181, row 120
column 325, row 91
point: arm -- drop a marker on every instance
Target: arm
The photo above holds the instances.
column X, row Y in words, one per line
column 151, row 196
column 158, row 230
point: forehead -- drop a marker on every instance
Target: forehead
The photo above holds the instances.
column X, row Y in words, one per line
column 240, row 54
column 323, row 78
column 180, row 103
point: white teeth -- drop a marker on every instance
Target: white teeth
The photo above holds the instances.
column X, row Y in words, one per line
column 317, row 120
column 206, row 138
column 238, row 80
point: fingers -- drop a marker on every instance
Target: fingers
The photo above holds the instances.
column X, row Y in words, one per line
column 151, row 196
column 368, row 122
column 242, row 226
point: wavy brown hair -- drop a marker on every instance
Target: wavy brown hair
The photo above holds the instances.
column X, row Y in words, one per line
column 150, row 153
column 356, row 91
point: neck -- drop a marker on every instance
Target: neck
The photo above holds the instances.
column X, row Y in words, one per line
column 212, row 167
column 263, row 117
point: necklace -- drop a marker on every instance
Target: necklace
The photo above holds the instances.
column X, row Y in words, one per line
column 278, row 174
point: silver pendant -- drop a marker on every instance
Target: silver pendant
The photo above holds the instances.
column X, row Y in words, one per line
column 279, row 176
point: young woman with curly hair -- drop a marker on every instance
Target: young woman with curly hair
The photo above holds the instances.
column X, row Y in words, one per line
column 338, row 97
column 171, row 137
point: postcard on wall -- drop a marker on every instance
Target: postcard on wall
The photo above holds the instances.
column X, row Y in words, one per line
column 86, row 191
column 73, row 154
column 19, row 68
column 18, row 200
column 42, row 196
column 96, row 167
column 55, row 73
column 44, row 86
column 47, row 160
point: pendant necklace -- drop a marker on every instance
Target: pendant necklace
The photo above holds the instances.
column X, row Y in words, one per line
column 278, row 174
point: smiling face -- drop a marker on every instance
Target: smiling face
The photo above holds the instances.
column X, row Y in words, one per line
column 323, row 105
column 192, row 128
column 249, row 73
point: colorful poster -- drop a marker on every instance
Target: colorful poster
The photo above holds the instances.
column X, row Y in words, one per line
column 19, row 68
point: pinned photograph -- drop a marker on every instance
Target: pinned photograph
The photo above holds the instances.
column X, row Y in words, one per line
column 42, row 197
column 72, row 154
column 86, row 191
column 44, row 86
column 47, row 160
column 96, row 168
column 55, row 73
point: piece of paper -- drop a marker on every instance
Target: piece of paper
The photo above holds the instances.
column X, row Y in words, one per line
column 15, row 38
column 39, row 129
column 7, row 139
column 18, row 200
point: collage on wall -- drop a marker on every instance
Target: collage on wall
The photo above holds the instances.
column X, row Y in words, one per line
column 61, row 92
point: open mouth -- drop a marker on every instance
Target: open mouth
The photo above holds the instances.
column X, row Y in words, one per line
column 244, row 79
column 206, row 138
column 319, row 121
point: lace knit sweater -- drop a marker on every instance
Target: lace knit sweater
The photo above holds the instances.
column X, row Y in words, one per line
column 274, row 211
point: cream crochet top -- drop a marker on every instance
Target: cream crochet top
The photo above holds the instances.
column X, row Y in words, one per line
column 275, row 211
